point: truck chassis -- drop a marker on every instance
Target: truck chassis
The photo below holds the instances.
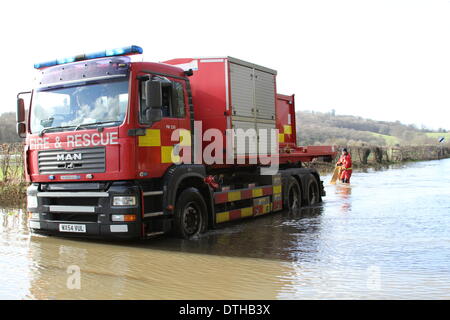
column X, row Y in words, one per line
column 182, row 202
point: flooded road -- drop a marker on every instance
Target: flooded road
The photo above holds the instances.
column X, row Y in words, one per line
column 386, row 236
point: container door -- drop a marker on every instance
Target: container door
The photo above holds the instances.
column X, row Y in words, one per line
column 266, row 145
column 245, row 140
column 242, row 91
column 264, row 95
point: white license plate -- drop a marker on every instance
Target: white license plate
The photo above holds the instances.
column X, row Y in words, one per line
column 72, row 228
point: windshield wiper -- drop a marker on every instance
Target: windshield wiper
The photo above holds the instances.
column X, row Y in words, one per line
column 94, row 123
column 41, row 133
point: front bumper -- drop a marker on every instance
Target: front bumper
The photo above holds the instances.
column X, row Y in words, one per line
column 90, row 210
column 93, row 229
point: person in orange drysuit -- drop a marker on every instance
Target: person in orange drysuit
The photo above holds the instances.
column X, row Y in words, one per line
column 345, row 162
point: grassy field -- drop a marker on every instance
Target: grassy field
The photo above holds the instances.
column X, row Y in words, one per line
column 437, row 135
column 390, row 140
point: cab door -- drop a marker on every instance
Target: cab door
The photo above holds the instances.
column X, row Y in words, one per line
column 158, row 148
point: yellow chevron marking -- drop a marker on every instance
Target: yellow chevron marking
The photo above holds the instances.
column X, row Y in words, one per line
column 276, row 189
column 234, row 196
column 267, row 208
column 167, row 155
column 287, row 129
column 257, row 192
column 222, row 217
column 152, row 138
column 247, row 212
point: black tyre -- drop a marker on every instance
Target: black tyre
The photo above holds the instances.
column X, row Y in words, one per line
column 312, row 190
column 293, row 196
column 190, row 214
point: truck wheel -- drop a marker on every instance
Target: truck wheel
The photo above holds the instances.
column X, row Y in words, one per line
column 190, row 214
column 293, row 198
column 312, row 189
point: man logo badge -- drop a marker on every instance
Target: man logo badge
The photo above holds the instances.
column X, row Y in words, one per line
column 68, row 156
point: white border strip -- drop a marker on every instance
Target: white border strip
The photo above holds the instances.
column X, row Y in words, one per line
column 71, row 209
column 73, row 194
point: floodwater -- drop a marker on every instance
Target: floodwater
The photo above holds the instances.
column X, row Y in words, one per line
column 387, row 236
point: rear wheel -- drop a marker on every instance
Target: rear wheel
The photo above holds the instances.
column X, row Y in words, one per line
column 190, row 214
column 293, row 200
column 312, row 189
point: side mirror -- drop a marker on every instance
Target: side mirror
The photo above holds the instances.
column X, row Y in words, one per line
column 20, row 115
column 153, row 101
column 153, row 115
column 21, row 129
column 153, row 94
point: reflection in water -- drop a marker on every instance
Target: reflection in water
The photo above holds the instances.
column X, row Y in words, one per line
column 14, row 259
column 117, row 271
column 269, row 237
column 344, row 192
column 365, row 241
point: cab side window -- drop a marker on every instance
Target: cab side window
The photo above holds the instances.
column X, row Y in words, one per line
column 173, row 105
column 173, row 100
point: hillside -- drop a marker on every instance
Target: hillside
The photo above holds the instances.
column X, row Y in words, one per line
column 316, row 128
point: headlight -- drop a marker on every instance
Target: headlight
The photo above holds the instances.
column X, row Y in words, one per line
column 124, row 201
column 32, row 202
column 34, row 216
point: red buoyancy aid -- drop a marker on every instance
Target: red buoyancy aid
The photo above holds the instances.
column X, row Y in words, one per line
column 347, row 161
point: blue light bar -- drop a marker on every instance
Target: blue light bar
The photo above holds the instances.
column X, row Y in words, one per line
column 89, row 56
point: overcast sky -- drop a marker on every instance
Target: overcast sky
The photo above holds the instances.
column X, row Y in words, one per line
column 386, row 60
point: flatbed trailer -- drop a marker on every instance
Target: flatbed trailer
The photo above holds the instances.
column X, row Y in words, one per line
column 124, row 149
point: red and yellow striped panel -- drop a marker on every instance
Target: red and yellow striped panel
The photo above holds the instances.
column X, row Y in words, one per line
column 287, row 131
column 153, row 138
column 265, row 199
column 243, row 194
column 243, row 213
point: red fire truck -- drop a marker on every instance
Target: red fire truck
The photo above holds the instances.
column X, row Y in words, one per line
column 126, row 149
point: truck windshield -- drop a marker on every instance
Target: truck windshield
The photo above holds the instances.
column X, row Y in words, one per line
column 79, row 106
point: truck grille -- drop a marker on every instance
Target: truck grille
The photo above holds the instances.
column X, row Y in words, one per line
column 72, row 217
column 86, row 160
